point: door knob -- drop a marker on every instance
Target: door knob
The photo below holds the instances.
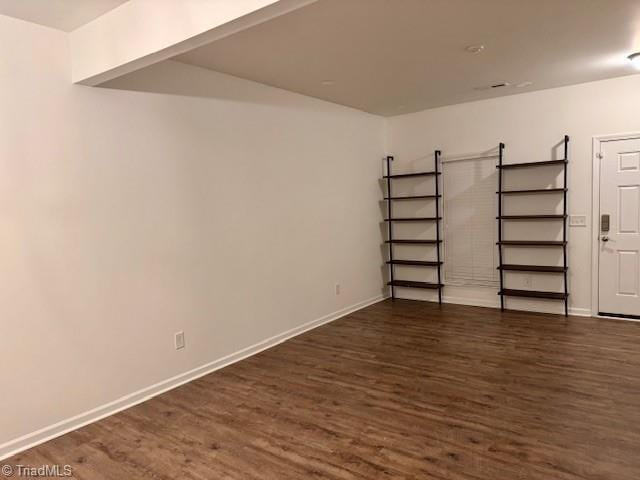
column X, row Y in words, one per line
column 605, row 238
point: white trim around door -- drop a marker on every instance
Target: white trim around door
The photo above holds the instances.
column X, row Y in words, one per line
column 595, row 218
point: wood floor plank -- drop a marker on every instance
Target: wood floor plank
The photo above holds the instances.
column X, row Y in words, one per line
column 399, row 390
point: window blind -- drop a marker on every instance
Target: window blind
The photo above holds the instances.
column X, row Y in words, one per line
column 470, row 206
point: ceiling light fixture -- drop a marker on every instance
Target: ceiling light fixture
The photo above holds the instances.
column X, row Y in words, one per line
column 634, row 58
column 475, row 48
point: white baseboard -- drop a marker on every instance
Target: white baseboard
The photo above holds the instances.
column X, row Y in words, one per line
column 474, row 302
column 30, row 440
column 575, row 311
column 480, row 302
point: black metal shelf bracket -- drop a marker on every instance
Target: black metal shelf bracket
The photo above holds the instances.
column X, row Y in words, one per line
column 390, row 224
column 438, row 221
column 500, row 159
column 564, row 226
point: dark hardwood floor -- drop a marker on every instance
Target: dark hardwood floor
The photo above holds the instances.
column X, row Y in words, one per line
column 401, row 389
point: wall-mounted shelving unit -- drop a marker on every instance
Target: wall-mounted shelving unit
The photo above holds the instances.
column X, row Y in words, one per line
column 508, row 292
column 391, row 240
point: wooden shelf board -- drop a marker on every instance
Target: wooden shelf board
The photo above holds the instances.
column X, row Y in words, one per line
column 413, row 242
column 414, row 197
column 508, row 166
column 532, row 243
column 411, row 175
column 534, row 190
column 413, row 284
column 533, row 294
column 532, row 217
column 413, row 219
column 532, row 268
column 416, row 263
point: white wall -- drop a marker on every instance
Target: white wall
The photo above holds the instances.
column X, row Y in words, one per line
column 127, row 216
column 530, row 125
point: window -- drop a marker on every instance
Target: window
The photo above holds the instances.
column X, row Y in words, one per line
column 470, row 229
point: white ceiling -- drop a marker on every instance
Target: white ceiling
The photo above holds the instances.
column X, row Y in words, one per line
column 64, row 15
column 397, row 56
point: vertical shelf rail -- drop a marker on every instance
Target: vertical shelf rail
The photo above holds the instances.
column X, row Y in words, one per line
column 390, row 226
column 500, row 158
column 438, row 221
column 564, row 226
column 546, row 269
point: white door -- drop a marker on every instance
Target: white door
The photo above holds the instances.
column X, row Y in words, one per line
column 619, row 241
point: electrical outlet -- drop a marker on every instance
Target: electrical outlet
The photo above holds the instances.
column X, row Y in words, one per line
column 337, row 289
column 577, row 220
column 179, row 340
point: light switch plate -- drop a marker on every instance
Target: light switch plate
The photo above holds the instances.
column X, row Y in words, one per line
column 577, row 220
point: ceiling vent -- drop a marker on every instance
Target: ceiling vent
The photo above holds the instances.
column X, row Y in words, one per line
column 494, row 86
